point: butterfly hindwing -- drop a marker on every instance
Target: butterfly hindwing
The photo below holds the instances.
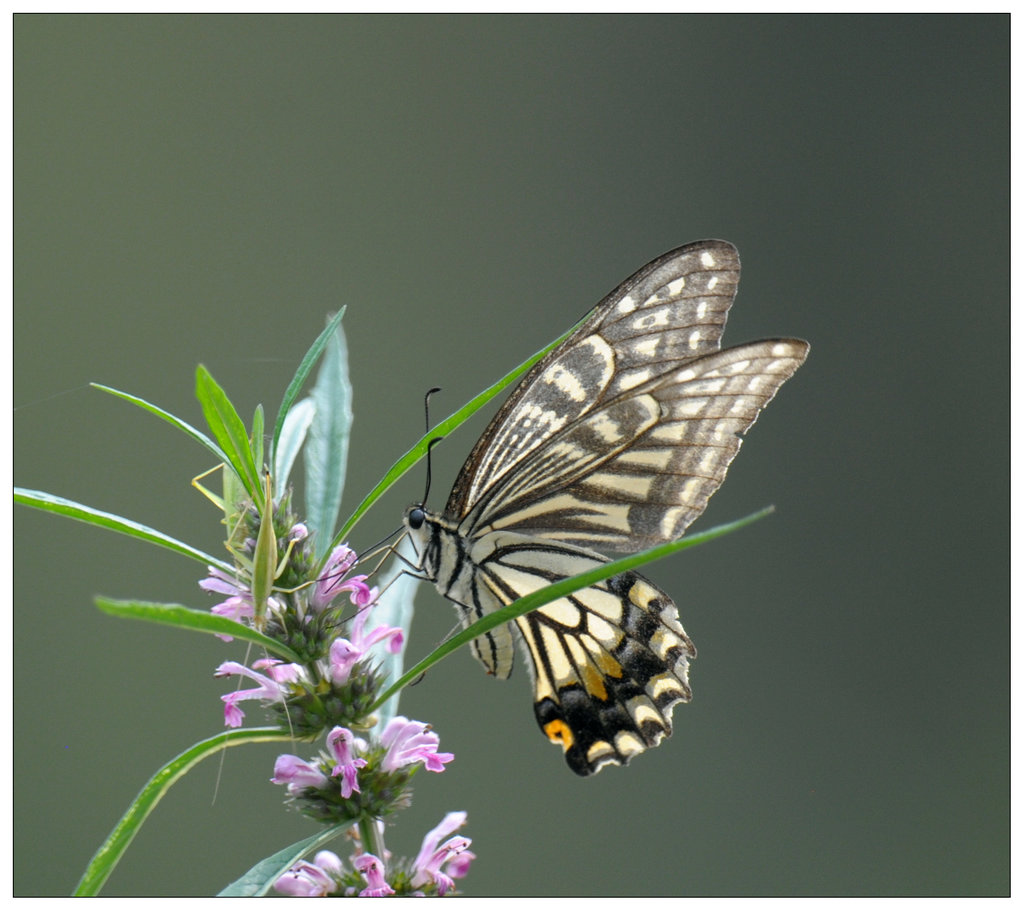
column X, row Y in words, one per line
column 608, row 662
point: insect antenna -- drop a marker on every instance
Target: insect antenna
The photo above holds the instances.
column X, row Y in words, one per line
column 430, row 445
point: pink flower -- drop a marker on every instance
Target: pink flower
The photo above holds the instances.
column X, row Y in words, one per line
column 341, row 743
column 344, row 653
column 268, row 691
column 333, row 582
column 452, row 855
column 412, row 741
column 297, row 773
column 239, row 602
column 306, row 880
column 373, row 872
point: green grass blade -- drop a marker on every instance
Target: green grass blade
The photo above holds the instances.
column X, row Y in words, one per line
column 228, row 429
column 559, row 589
column 260, row 879
column 298, row 381
column 188, row 618
column 443, row 429
column 51, row 503
column 111, row 851
column 196, row 435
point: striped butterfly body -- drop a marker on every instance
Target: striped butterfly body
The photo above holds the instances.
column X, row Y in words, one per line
column 615, row 440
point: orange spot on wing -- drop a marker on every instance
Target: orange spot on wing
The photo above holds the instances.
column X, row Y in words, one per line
column 558, row 732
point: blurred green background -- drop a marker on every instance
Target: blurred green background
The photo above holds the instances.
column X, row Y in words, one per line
column 206, row 189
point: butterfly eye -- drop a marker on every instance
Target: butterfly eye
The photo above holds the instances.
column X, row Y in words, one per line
column 416, row 518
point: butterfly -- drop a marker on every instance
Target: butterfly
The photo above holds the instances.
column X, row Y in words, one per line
column 615, row 440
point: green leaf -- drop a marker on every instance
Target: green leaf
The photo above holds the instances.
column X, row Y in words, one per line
column 558, row 590
column 443, row 429
column 259, row 880
column 299, row 380
column 326, row 451
column 72, row 510
column 106, row 858
column 257, row 436
column 189, row 618
column 228, row 429
column 196, row 435
column 293, row 435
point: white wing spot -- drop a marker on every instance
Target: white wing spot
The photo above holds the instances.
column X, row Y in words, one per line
column 707, row 259
column 566, row 382
column 712, row 282
column 676, row 286
column 628, row 744
column 709, row 461
column 626, row 305
column 650, row 320
column 638, row 486
column 669, row 521
column 702, row 307
column 627, row 380
column 609, row 429
column 647, row 347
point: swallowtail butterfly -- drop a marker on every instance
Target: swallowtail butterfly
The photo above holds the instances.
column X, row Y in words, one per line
column 615, row 440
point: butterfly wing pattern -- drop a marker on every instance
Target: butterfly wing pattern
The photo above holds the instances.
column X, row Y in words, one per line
column 615, row 440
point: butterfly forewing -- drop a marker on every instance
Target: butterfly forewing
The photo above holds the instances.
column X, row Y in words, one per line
column 638, row 471
column 672, row 310
column 613, row 441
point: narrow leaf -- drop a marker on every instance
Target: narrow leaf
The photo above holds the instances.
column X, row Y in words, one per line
column 298, row 381
column 106, row 858
column 257, row 436
column 196, row 435
column 558, row 590
column 260, row 879
column 228, row 429
column 443, row 429
column 326, row 452
column 394, row 608
column 189, row 618
column 72, row 510
column 293, row 435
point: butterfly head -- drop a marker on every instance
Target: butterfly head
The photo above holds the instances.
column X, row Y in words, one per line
column 415, row 516
column 421, row 526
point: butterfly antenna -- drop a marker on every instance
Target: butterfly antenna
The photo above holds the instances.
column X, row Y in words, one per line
column 426, row 404
column 430, row 445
